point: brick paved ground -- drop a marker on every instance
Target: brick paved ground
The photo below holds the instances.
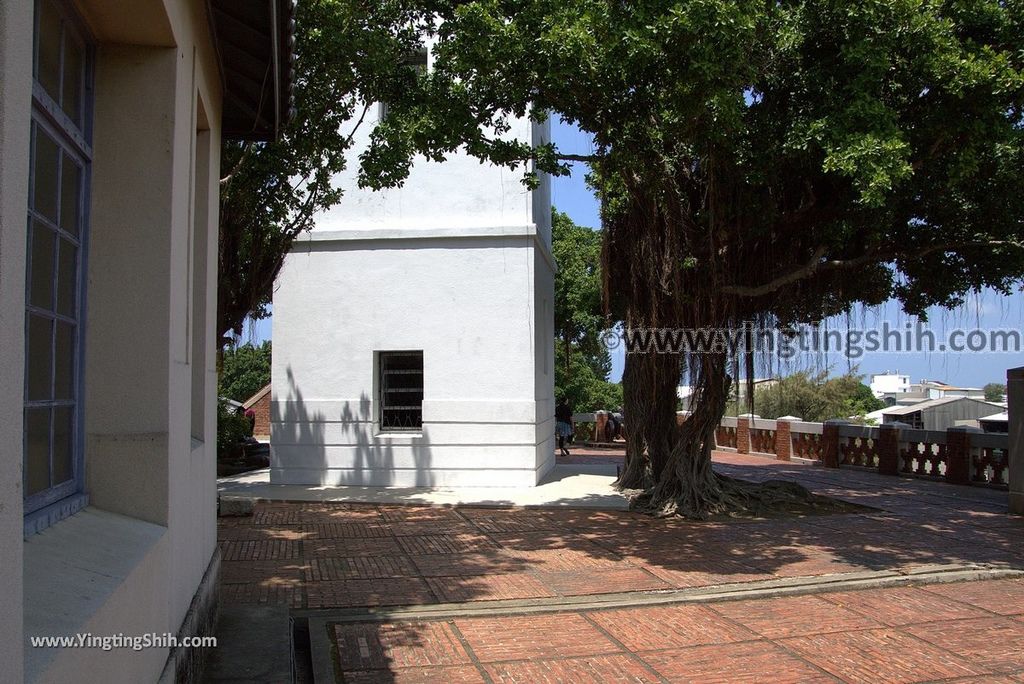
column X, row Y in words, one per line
column 909, row 634
column 321, row 555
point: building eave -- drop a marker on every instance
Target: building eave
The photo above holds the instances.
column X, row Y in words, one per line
column 255, row 47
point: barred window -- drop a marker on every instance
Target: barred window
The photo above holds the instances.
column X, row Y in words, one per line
column 401, row 391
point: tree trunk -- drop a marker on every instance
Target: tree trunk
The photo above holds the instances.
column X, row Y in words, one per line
column 651, row 430
column 687, row 485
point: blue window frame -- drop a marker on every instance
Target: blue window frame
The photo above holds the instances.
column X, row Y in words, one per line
column 57, row 228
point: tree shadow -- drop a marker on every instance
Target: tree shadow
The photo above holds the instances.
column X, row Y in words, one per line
column 364, row 564
column 346, row 448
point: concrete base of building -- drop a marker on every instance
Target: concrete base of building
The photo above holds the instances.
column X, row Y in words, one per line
column 186, row 664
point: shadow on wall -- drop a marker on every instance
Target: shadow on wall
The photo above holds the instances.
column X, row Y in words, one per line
column 315, row 448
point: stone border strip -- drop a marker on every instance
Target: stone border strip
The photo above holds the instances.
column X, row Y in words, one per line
column 853, row 581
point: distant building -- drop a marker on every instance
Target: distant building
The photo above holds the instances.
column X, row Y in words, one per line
column 884, row 385
column 259, row 404
column 998, row 422
column 936, row 414
column 936, row 389
column 739, row 390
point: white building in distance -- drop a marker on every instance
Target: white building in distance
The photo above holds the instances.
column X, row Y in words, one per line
column 888, row 384
column 413, row 332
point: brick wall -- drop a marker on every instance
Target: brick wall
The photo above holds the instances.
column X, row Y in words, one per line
column 260, row 405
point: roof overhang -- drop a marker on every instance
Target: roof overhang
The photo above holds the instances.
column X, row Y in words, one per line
column 255, row 43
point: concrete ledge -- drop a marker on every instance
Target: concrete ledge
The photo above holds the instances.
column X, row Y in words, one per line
column 101, row 573
column 569, row 486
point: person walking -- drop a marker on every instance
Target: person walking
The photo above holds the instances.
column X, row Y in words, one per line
column 563, row 425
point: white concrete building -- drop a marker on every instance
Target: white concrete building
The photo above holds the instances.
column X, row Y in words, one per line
column 889, row 384
column 413, row 332
column 111, row 120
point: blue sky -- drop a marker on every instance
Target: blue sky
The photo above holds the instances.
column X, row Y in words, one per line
column 988, row 310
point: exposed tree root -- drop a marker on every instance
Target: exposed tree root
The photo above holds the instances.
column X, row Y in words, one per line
column 728, row 497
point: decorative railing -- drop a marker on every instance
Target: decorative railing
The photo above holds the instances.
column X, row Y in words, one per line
column 923, row 453
column 958, row 455
column 990, row 460
column 807, row 445
column 762, row 435
column 857, row 447
column 725, row 436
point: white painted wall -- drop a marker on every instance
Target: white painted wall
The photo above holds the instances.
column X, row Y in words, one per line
column 889, row 383
column 455, row 263
column 15, row 103
column 133, row 560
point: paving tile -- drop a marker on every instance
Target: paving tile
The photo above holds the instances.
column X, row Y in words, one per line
column 259, row 533
column 347, row 548
column 1004, row 596
column 560, row 560
column 792, row 616
column 370, row 646
column 269, row 592
column 488, row 587
column 345, row 530
column 467, row 564
column 529, row 637
column 359, row 567
column 602, row 669
column 418, row 513
column 413, row 528
column 661, row 627
column 902, row 606
column 881, row 655
column 276, row 515
column 995, row 643
column 365, row 592
column 339, row 512
column 600, row 581
column 446, row 543
column 238, row 572
column 705, row 573
column 545, row 541
column 517, row 522
column 750, row 661
column 457, row 674
column 264, row 549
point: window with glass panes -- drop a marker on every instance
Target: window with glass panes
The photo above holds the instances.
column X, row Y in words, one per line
column 56, row 225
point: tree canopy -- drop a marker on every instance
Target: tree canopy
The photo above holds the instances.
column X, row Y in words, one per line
column 816, row 397
column 775, row 162
column 582, row 362
column 995, row 391
column 270, row 192
column 245, row 370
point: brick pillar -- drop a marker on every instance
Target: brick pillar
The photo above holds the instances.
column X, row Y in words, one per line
column 830, row 443
column 1015, row 397
column 600, row 426
column 958, row 454
column 783, row 440
column 888, row 448
column 743, row 435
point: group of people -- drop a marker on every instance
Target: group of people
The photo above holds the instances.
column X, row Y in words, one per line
column 565, row 427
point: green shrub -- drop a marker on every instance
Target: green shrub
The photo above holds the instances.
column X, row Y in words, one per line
column 232, row 429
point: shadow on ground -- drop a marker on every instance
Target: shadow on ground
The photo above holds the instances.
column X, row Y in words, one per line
column 345, row 556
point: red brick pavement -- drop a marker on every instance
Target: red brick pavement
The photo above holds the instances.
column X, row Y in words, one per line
column 823, row 638
column 322, row 555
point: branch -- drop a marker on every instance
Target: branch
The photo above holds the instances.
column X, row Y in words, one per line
column 241, row 160
column 816, row 265
column 586, row 158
